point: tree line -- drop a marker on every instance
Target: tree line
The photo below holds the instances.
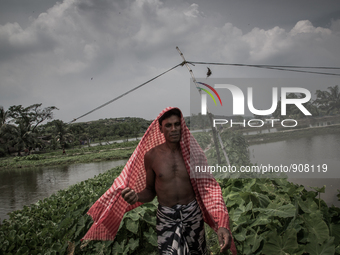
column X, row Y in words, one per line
column 22, row 130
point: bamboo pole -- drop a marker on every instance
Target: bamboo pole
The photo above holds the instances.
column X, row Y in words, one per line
column 209, row 113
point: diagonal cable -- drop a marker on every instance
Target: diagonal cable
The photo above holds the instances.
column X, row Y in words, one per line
column 124, row 94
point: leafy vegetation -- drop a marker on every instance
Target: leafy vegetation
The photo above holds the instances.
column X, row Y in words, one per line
column 273, row 216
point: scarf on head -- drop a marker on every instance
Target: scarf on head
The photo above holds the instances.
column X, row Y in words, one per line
column 108, row 211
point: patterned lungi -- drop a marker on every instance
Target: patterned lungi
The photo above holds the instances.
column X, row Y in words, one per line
column 180, row 230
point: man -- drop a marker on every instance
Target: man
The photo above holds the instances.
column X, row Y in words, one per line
column 162, row 165
column 167, row 177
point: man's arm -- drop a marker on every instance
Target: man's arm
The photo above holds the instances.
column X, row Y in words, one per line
column 149, row 193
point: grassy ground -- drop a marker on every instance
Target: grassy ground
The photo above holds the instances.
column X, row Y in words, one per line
column 79, row 155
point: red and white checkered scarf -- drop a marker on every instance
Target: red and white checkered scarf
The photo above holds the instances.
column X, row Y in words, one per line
column 108, row 211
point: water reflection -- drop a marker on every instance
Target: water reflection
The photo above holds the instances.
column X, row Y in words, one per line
column 19, row 187
column 314, row 151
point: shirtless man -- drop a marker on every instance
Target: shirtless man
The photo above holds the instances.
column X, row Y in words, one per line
column 167, row 178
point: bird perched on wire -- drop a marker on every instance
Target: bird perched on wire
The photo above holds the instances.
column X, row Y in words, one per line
column 209, row 72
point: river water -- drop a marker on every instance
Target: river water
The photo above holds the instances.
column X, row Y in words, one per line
column 21, row 187
column 319, row 155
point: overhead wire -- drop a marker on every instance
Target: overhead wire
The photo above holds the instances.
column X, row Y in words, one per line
column 275, row 67
column 124, row 94
column 283, row 66
column 185, row 62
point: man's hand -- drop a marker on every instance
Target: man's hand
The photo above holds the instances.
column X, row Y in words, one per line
column 224, row 239
column 130, row 196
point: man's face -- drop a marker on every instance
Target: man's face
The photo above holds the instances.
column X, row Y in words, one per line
column 171, row 128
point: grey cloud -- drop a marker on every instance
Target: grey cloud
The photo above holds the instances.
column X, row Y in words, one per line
column 17, row 42
column 121, row 44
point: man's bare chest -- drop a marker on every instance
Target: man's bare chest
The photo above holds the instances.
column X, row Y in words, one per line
column 170, row 165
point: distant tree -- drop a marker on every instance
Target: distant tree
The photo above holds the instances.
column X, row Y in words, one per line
column 19, row 137
column 77, row 128
column 3, row 117
column 61, row 132
column 329, row 101
column 24, row 122
column 135, row 127
column 32, row 115
column 124, row 130
column 3, row 140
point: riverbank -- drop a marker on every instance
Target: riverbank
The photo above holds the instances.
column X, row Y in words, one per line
column 77, row 155
column 292, row 134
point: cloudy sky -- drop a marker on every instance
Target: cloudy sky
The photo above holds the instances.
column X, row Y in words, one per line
column 79, row 54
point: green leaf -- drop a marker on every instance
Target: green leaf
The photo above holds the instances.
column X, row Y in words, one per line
column 295, row 223
column 282, row 199
column 260, row 220
column 150, row 219
column 268, row 187
column 235, row 214
column 253, row 240
column 337, row 250
column 23, row 250
column 140, row 210
column 249, row 184
column 327, row 248
column 241, row 236
column 118, row 248
column 283, row 211
column 66, row 223
column 132, row 225
column 317, row 229
column 278, row 245
column 233, row 198
column 132, row 215
column 151, row 236
column 133, row 244
column 320, row 190
column 307, row 206
column 249, row 206
column 257, row 199
column 56, row 246
column 12, row 235
column 334, row 230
